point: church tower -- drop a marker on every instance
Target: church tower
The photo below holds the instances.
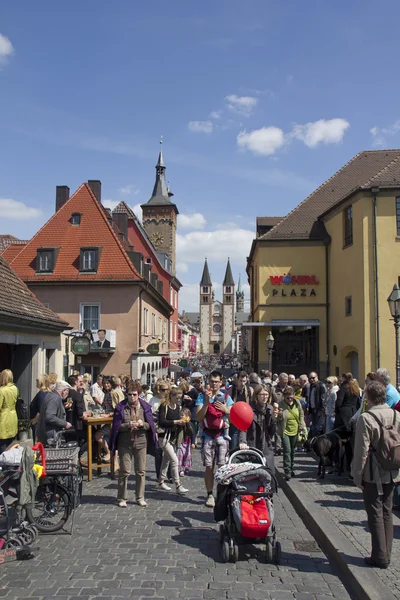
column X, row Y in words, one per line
column 228, row 309
column 160, row 216
column 240, row 297
column 206, row 299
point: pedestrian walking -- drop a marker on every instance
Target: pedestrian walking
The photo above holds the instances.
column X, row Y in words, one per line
column 332, row 389
column 290, row 424
column 316, row 399
column 376, row 482
column 347, row 403
column 133, row 424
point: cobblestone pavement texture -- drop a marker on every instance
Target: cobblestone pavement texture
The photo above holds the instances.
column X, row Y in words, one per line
column 166, row 551
column 343, row 503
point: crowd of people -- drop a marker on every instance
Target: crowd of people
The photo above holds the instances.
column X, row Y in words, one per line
column 170, row 419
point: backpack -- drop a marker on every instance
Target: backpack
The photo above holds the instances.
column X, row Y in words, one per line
column 22, row 410
column 214, row 417
column 388, row 450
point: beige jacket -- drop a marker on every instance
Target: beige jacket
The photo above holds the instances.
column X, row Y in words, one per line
column 365, row 466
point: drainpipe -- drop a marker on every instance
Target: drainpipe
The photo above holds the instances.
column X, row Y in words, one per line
column 327, row 312
column 375, row 192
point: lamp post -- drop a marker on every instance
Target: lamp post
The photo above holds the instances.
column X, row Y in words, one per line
column 394, row 307
column 270, row 347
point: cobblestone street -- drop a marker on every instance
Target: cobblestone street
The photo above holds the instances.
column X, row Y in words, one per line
column 168, row 550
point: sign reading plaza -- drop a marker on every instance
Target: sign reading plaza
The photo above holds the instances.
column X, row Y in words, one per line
column 287, row 279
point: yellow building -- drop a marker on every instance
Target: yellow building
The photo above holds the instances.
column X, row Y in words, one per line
column 321, row 276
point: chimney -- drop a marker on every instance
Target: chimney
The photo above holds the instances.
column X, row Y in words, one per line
column 109, row 215
column 95, row 186
column 121, row 221
column 62, row 195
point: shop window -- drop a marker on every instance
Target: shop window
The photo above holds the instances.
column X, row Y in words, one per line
column 347, row 306
column 90, row 317
column 398, row 216
column 45, row 260
column 89, row 260
column 348, row 226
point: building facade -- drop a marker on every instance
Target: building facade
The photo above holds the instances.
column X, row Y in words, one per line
column 217, row 319
column 321, row 276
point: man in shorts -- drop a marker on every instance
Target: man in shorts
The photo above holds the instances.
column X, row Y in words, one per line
column 214, row 446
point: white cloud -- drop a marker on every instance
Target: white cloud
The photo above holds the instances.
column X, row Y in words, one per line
column 379, row 134
column 242, row 105
column 13, row 209
column 194, row 221
column 215, row 114
column 325, row 131
column 6, row 49
column 182, row 267
column 189, row 297
column 200, row 126
column 264, row 141
column 129, row 189
column 216, row 245
column 113, row 203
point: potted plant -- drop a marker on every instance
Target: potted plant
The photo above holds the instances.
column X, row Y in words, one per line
column 24, row 426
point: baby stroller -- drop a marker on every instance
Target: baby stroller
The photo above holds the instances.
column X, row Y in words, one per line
column 245, row 503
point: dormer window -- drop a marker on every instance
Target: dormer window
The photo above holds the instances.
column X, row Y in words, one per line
column 76, row 219
column 45, row 260
column 89, row 260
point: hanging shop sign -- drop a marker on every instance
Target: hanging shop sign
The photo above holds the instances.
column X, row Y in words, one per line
column 80, row 345
column 293, row 280
column 153, row 349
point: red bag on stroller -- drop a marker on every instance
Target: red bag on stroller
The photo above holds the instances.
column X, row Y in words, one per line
column 251, row 515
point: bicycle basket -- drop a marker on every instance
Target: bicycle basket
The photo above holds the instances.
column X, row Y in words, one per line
column 61, row 459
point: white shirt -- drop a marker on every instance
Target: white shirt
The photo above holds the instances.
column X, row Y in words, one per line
column 155, row 404
column 97, row 392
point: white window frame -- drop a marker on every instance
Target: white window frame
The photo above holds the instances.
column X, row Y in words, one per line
column 145, row 321
column 153, row 324
column 159, row 327
column 90, row 264
column 171, row 330
column 81, row 311
column 164, row 334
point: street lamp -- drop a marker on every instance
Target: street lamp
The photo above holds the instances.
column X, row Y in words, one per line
column 394, row 307
column 270, row 347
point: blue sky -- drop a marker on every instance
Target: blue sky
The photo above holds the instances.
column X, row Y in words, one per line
column 258, row 102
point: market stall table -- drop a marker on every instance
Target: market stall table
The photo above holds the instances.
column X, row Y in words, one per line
column 95, row 422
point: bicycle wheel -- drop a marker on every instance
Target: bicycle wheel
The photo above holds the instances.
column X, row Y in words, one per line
column 51, row 509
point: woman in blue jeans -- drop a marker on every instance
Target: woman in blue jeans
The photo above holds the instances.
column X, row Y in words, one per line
column 290, row 424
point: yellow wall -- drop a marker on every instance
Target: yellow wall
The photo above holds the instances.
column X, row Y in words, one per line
column 351, row 273
column 294, row 258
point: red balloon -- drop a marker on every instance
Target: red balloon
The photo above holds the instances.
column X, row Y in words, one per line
column 241, row 415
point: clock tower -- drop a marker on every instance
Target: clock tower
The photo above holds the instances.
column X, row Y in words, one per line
column 160, row 216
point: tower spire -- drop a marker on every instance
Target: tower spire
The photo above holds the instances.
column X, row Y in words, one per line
column 228, row 280
column 205, row 279
column 161, row 195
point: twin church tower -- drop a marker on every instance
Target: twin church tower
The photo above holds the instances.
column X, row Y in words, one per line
column 217, row 319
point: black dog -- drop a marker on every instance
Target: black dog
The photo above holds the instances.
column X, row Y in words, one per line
column 326, row 446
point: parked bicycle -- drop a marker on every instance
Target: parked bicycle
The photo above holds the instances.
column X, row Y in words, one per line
column 60, row 491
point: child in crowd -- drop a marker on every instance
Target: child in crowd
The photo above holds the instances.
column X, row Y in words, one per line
column 184, row 452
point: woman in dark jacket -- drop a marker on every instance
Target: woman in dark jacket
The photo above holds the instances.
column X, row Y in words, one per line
column 347, row 403
column 260, row 433
column 133, row 433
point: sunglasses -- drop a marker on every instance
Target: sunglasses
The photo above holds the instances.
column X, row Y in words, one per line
column 132, row 394
column 311, row 378
column 164, row 389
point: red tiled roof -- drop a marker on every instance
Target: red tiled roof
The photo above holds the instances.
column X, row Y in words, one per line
column 18, row 302
column 7, row 239
column 94, row 231
column 12, row 251
column 365, row 170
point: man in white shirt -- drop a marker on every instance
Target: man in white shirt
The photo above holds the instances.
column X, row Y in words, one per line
column 96, row 391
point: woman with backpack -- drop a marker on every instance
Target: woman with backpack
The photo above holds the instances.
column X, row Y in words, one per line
column 170, row 426
column 374, row 472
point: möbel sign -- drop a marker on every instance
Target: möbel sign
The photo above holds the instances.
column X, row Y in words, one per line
column 287, row 279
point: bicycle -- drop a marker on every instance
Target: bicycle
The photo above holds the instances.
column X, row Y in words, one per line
column 60, row 491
